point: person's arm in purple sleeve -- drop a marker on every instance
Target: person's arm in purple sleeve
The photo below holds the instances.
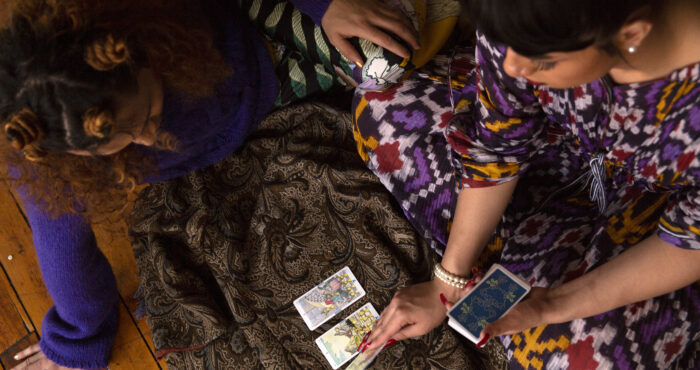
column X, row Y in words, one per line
column 79, row 329
column 367, row 19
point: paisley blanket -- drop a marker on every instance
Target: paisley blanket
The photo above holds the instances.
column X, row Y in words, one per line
column 224, row 251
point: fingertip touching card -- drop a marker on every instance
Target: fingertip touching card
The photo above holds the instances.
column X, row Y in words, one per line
column 339, row 344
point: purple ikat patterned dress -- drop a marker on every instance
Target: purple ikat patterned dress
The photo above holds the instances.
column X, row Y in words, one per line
column 646, row 139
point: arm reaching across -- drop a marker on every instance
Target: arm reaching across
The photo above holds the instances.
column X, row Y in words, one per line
column 649, row 269
column 417, row 309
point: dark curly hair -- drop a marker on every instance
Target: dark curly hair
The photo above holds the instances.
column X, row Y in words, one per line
column 537, row 27
column 61, row 64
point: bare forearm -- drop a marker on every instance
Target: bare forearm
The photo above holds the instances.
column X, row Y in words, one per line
column 646, row 270
column 478, row 212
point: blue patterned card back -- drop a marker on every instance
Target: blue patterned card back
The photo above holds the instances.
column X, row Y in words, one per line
column 489, row 300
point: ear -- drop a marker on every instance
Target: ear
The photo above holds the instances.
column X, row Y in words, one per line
column 633, row 33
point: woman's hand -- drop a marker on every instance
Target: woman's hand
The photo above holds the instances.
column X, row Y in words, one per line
column 370, row 20
column 34, row 359
column 414, row 311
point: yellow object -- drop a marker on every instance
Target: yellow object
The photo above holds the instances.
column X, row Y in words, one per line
column 431, row 40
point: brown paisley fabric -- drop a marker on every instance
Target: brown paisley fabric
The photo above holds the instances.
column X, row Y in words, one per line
column 224, row 251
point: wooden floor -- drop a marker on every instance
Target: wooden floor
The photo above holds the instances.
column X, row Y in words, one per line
column 24, row 299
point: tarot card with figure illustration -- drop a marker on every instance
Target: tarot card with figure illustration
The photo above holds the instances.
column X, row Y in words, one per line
column 492, row 298
column 339, row 344
column 325, row 300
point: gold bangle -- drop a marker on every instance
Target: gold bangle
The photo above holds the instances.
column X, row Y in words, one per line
column 448, row 278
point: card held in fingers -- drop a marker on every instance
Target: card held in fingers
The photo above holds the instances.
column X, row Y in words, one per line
column 328, row 298
column 339, row 344
column 492, row 298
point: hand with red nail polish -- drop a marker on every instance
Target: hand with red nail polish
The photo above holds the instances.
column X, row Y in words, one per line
column 360, row 348
column 414, row 311
column 366, row 347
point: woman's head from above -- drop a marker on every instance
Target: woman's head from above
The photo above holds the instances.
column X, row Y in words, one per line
column 565, row 43
column 86, row 101
column 81, row 80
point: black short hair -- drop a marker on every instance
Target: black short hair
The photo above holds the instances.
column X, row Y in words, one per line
column 537, row 27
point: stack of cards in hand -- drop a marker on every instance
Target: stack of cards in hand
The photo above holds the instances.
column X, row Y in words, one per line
column 492, row 298
column 325, row 300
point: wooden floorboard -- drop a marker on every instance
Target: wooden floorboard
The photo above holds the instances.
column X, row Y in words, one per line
column 11, row 320
column 24, row 299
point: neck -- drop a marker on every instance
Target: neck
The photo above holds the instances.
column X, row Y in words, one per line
column 673, row 42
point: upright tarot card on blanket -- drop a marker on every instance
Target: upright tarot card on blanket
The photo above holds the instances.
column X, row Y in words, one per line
column 339, row 344
column 333, row 295
column 492, row 298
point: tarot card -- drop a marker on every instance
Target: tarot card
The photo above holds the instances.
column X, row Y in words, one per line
column 333, row 295
column 339, row 344
column 364, row 359
column 492, row 298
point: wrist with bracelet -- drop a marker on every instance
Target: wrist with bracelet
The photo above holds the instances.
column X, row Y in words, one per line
column 449, row 278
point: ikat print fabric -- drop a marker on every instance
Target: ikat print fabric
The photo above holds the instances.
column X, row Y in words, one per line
column 648, row 135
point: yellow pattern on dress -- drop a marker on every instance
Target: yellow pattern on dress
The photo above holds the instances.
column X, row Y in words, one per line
column 665, row 223
column 486, row 100
column 370, row 143
column 665, row 106
column 528, row 355
column 502, row 125
column 628, row 228
column 493, row 170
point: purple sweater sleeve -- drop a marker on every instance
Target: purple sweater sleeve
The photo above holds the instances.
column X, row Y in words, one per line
column 313, row 8
column 79, row 329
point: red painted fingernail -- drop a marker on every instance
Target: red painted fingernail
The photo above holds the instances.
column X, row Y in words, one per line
column 364, row 339
column 483, row 341
column 469, row 284
column 390, row 343
column 443, row 299
column 367, row 346
column 474, row 271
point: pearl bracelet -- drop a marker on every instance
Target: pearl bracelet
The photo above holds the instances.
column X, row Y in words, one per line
column 448, row 278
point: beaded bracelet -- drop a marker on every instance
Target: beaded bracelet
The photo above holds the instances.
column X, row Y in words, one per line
column 448, row 278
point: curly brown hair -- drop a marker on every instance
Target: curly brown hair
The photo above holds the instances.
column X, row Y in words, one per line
column 61, row 64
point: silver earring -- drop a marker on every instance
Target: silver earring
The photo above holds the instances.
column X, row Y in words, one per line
column 632, row 49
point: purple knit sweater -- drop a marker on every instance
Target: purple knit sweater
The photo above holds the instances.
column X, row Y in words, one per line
column 79, row 329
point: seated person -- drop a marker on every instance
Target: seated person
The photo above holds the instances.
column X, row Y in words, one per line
column 571, row 160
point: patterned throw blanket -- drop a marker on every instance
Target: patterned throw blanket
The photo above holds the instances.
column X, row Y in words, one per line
column 224, row 251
